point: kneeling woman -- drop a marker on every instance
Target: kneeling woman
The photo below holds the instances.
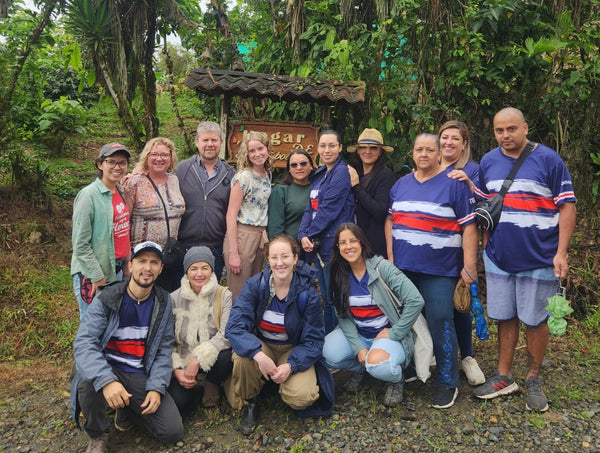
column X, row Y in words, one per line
column 374, row 332
column 276, row 331
column 200, row 310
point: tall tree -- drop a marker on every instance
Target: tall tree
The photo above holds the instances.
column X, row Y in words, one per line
column 121, row 38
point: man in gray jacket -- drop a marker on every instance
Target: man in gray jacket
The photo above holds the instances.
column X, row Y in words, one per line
column 205, row 183
column 123, row 355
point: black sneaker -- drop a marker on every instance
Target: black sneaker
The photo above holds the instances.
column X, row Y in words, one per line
column 123, row 420
column 249, row 417
column 496, row 385
column 353, row 384
column 536, row 398
column 444, row 397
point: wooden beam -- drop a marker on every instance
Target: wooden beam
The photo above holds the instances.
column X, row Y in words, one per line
column 223, row 120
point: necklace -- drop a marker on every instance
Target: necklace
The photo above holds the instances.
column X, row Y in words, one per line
column 139, row 300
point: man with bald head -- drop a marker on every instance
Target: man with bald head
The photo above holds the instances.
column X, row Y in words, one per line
column 525, row 256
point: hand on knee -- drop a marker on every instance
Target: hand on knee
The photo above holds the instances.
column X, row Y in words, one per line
column 376, row 356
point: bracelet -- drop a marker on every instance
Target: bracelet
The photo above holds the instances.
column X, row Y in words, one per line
column 469, row 275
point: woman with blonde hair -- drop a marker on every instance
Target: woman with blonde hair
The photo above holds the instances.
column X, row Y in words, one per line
column 154, row 200
column 247, row 214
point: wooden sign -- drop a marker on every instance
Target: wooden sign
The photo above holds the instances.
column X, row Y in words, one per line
column 284, row 137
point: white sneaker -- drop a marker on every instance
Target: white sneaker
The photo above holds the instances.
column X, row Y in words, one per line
column 471, row 369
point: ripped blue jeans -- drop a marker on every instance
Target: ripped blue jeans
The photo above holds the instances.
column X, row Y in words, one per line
column 338, row 354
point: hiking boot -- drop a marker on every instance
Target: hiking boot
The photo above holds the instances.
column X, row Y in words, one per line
column 394, row 394
column 353, row 384
column 536, row 398
column 249, row 417
column 211, row 395
column 444, row 397
column 471, row 369
column 123, row 420
column 496, row 385
column 98, row 445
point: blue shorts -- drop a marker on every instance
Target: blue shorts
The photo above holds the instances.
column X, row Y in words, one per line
column 522, row 294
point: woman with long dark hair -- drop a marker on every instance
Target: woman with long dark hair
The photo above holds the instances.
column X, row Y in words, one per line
column 372, row 188
column 290, row 196
column 100, row 237
column 374, row 333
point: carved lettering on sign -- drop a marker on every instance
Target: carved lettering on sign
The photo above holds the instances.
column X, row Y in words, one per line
column 284, row 138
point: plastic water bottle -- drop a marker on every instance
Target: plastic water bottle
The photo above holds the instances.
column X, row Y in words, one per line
column 481, row 328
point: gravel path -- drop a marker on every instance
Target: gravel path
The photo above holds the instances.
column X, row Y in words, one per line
column 34, row 417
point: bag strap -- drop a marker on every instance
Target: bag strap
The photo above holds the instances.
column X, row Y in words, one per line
column 302, row 301
column 218, row 305
column 515, row 168
column 163, row 205
column 398, row 302
column 302, row 297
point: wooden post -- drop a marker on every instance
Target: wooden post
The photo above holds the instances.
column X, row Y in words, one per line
column 326, row 116
column 223, row 120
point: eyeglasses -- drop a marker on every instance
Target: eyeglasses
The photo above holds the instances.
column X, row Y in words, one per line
column 352, row 241
column 302, row 164
column 113, row 163
column 161, row 155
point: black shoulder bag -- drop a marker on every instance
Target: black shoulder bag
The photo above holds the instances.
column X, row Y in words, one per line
column 487, row 213
column 173, row 251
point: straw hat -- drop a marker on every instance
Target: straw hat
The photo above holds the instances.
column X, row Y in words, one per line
column 370, row 137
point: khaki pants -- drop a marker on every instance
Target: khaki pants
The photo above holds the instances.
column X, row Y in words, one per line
column 299, row 391
column 251, row 241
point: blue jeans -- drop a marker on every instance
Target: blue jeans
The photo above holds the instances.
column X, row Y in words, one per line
column 438, row 293
column 329, row 316
column 338, row 354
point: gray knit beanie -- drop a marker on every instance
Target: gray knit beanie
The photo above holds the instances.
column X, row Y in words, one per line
column 197, row 254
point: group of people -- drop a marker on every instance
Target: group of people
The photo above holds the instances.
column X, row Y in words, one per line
column 353, row 258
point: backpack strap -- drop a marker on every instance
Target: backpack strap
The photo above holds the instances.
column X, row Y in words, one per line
column 302, row 301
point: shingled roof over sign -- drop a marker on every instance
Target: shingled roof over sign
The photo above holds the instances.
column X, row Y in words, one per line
column 277, row 87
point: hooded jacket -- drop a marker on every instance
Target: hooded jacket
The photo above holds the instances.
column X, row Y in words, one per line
column 304, row 326
column 335, row 206
column 98, row 325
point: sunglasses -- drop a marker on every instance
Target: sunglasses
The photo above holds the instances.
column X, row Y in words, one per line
column 302, row 164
